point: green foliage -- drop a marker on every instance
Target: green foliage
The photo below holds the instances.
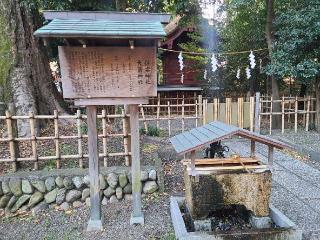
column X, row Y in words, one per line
column 194, row 45
column 296, row 44
column 244, row 30
column 297, row 48
column 152, row 131
column 5, row 61
column 189, row 10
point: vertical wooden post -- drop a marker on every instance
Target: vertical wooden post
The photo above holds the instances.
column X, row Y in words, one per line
column 80, row 152
column 240, row 112
column 196, row 108
column 125, row 138
column 257, row 114
column 144, row 118
column 304, row 109
column 308, row 114
column 137, row 215
column 194, row 174
column 104, row 137
column 270, row 157
column 228, row 110
column 296, row 114
column 200, row 109
column 282, row 115
column 169, row 119
column 270, row 119
column 253, row 149
column 33, row 140
column 251, row 113
column 158, row 111
column 215, row 109
column 56, row 137
column 12, row 146
column 95, row 222
column 182, row 118
column 127, row 113
column 205, row 106
column 289, row 112
column 193, row 162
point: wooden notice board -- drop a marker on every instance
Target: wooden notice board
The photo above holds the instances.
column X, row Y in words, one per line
column 106, row 72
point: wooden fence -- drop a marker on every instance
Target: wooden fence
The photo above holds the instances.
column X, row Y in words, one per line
column 238, row 112
column 164, row 112
column 252, row 113
column 11, row 141
column 175, row 102
column 257, row 113
column 295, row 112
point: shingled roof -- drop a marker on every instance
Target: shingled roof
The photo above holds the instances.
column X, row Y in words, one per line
column 214, row 132
column 101, row 28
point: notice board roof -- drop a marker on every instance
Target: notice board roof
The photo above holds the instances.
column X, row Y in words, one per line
column 214, row 132
column 107, row 15
column 82, row 28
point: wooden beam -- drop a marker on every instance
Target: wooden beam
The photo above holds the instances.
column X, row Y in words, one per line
column 221, row 168
column 95, row 222
column 109, row 101
column 217, row 161
column 136, row 215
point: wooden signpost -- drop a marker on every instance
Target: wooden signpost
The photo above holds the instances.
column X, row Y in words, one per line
column 108, row 76
column 108, row 62
column 108, row 72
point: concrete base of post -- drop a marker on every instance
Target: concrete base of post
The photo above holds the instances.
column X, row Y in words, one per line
column 137, row 219
column 95, row 225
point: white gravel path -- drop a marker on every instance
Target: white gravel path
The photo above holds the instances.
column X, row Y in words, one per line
column 296, row 188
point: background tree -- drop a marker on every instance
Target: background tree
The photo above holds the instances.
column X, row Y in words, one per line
column 244, row 29
column 29, row 75
column 297, row 46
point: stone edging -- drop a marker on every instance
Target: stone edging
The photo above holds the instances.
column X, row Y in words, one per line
column 70, row 187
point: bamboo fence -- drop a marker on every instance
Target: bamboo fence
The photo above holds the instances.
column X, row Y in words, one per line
column 294, row 111
column 169, row 112
column 11, row 137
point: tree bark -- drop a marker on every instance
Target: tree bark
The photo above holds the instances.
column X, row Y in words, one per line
column 30, row 77
column 276, row 120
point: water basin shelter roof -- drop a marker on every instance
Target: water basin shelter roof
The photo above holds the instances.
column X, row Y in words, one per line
column 199, row 137
column 84, row 28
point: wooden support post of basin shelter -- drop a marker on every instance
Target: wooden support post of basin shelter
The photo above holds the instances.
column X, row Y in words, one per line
column 270, row 156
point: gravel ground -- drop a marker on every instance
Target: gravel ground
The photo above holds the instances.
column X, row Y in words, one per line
column 309, row 141
column 54, row 224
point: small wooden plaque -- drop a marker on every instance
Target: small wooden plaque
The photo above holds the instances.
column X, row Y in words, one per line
column 103, row 72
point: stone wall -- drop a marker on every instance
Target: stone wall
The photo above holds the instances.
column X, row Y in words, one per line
column 70, row 188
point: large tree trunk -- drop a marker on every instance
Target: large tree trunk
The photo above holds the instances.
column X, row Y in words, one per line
column 30, row 76
column 276, row 120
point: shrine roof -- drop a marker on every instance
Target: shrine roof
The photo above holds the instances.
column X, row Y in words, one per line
column 199, row 137
column 84, row 28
